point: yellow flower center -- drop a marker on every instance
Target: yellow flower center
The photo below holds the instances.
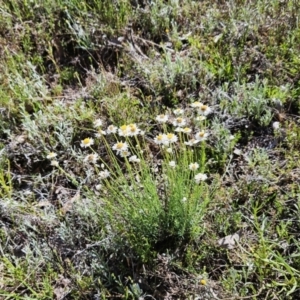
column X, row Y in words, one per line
column 132, row 127
column 120, row 145
column 86, row 141
column 203, row 281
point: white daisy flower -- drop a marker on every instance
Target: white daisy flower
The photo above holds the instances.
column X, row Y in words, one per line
column 193, row 166
column 170, row 138
column 124, row 153
column 133, row 130
column 162, row 118
column 191, row 142
column 180, row 122
column 104, row 174
column 276, row 125
column 100, row 133
column 201, row 118
column 98, row 123
column 196, row 104
column 91, row 158
column 186, row 130
column 160, row 139
column 120, row 147
column 98, row 187
column 134, row 158
column 201, row 136
column 54, row 163
column 51, row 155
column 111, row 129
column 172, row 164
column 204, row 110
column 200, row 177
column 87, row 142
column 169, row 150
column 178, row 111
column 123, row 130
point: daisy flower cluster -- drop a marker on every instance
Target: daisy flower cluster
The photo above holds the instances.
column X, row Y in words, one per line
column 185, row 131
column 121, row 147
column 180, row 129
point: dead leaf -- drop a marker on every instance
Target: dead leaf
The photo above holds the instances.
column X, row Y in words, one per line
column 16, row 140
column 237, row 151
column 229, row 241
column 69, row 204
column 218, row 37
column 62, row 287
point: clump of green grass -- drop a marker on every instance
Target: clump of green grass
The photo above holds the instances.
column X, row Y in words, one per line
column 149, row 198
